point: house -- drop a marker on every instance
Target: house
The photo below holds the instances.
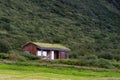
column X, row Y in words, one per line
column 46, row 50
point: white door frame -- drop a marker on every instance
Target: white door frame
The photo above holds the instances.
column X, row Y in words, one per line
column 52, row 55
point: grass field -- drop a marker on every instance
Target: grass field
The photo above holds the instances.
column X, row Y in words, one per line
column 14, row 72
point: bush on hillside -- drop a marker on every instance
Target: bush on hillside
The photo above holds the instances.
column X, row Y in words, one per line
column 117, row 57
column 104, row 63
column 18, row 55
column 30, row 57
column 3, row 56
column 69, row 62
column 4, row 46
column 106, row 55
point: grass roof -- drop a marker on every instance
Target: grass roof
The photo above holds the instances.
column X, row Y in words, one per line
column 52, row 46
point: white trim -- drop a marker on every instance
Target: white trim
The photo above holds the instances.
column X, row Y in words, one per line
column 52, row 55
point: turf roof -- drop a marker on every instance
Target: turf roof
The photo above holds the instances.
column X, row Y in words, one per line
column 51, row 46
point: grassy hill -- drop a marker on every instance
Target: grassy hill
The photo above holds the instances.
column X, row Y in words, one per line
column 88, row 27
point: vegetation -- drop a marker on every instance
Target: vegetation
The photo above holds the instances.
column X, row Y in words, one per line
column 15, row 72
column 18, row 56
column 21, row 58
column 90, row 28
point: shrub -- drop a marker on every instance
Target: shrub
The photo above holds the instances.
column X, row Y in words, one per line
column 104, row 63
column 117, row 57
column 106, row 55
column 30, row 57
column 18, row 57
column 22, row 55
column 12, row 56
column 4, row 46
column 3, row 56
column 66, row 61
column 91, row 57
column 116, row 63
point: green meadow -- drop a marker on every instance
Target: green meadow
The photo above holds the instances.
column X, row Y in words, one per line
column 17, row 72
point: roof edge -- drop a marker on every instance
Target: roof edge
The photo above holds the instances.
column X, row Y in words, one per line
column 35, row 43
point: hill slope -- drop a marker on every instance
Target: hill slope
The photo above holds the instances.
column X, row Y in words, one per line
column 86, row 26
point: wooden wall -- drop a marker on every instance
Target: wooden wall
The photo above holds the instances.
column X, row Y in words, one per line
column 63, row 55
column 30, row 48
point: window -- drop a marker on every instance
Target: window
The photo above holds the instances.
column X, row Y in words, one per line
column 39, row 53
column 42, row 53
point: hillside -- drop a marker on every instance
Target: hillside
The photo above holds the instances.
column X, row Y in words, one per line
column 86, row 26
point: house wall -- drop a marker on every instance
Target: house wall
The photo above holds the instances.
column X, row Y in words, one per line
column 63, row 55
column 30, row 48
column 54, row 54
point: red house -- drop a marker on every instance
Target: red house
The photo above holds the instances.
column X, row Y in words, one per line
column 46, row 50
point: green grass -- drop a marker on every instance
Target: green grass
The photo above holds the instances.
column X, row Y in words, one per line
column 16, row 75
column 15, row 72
